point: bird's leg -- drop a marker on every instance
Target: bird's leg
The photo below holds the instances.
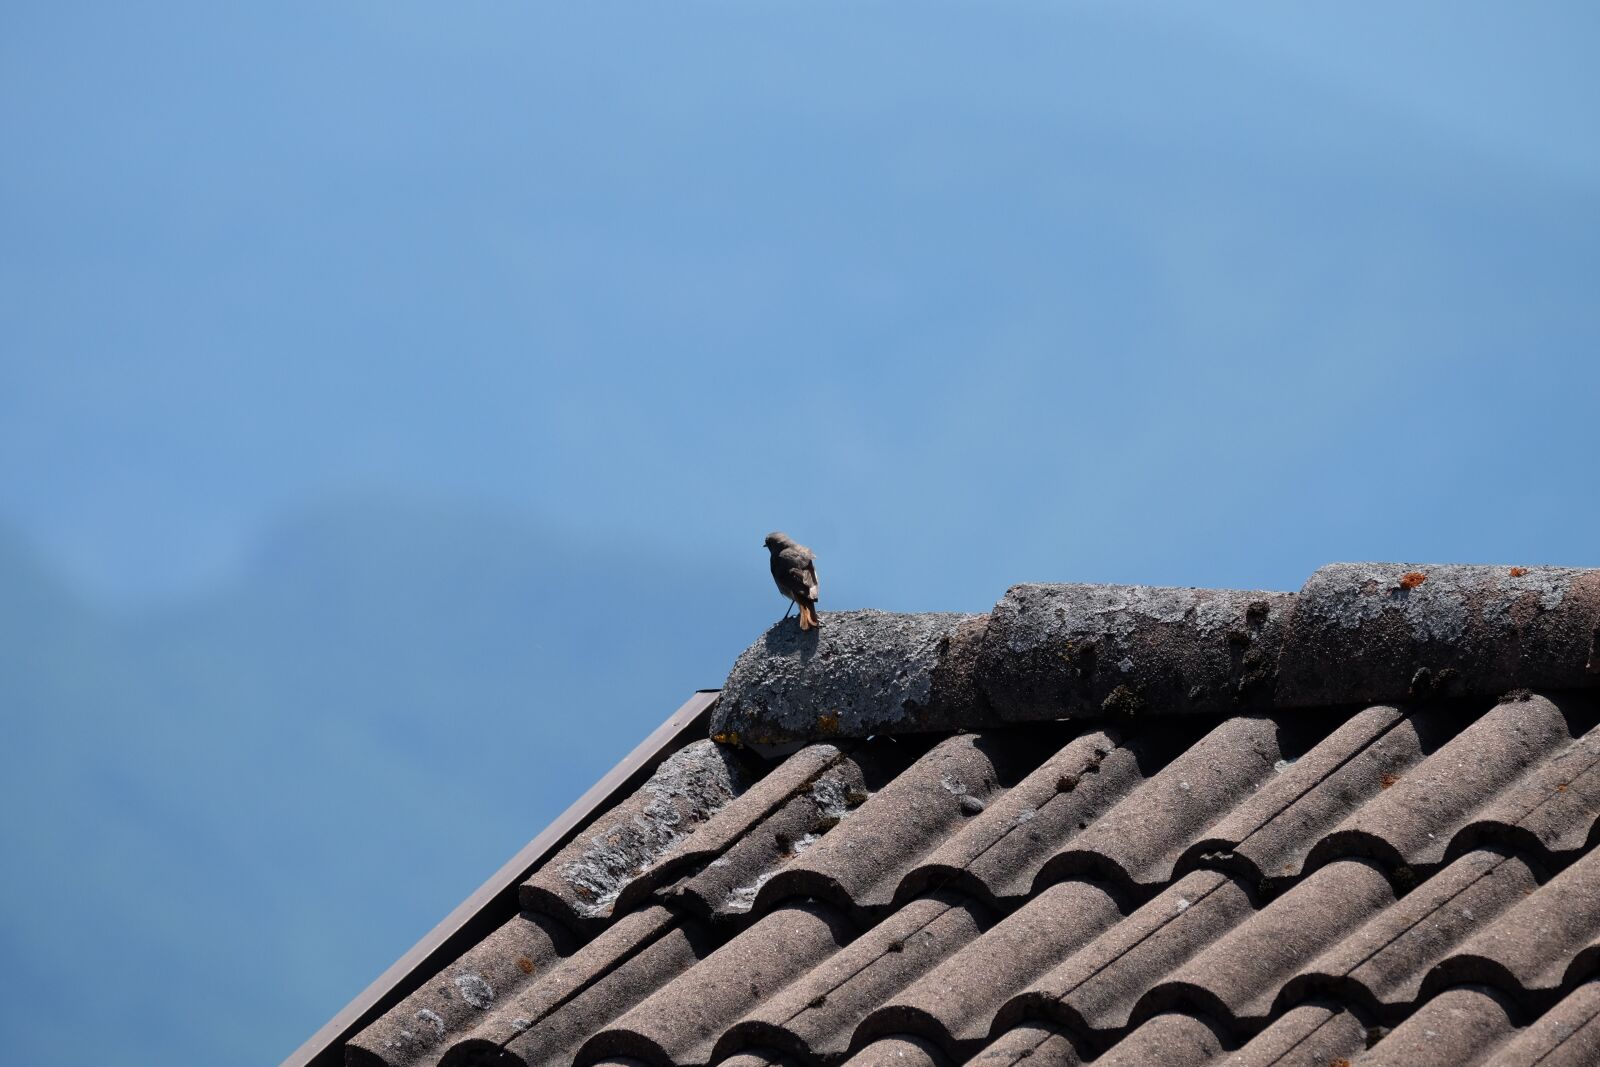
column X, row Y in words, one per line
column 787, row 610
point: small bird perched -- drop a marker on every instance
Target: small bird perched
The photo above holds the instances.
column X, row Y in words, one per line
column 794, row 568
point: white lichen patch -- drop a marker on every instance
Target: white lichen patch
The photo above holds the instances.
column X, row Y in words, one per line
column 1040, row 615
column 744, row 897
column 803, row 842
column 1212, row 613
column 1439, row 606
column 831, row 797
column 474, row 989
column 689, row 787
column 432, row 1020
column 1441, row 615
column 1355, row 598
column 952, row 785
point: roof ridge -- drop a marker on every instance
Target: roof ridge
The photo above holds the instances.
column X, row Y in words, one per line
column 1355, row 633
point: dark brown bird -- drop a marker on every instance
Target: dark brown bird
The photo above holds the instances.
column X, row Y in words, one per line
column 794, row 568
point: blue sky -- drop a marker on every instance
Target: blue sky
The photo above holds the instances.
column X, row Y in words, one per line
column 392, row 400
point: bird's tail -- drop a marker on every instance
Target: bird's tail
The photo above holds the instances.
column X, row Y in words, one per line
column 808, row 618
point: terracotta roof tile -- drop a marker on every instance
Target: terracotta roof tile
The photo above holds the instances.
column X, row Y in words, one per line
column 1271, row 833
column 523, row 950
column 1568, row 1035
column 683, row 1019
column 1240, row 974
column 1170, row 1038
column 818, row 1014
column 896, row 1052
column 1034, row 1044
column 1459, row 1026
column 1317, row 1032
column 1388, row 956
column 956, row 1002
column 1539, row 939
column 860, row 863
column 998, row 854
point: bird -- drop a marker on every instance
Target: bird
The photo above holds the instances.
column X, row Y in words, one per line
column 794, row 568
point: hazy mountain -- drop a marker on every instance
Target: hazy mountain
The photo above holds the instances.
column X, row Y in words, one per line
column 235, row 812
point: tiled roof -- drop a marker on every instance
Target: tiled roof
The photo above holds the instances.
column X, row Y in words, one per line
column 1405, row 882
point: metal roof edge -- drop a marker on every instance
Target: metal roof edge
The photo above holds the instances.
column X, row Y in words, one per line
column 475, row 917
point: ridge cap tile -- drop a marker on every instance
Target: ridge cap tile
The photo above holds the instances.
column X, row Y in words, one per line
column 1355, row 633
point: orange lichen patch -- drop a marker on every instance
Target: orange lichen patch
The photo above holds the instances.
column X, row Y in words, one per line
column 1518, row 572
column 1340, row 1062
column 1561, row 787
column 1412, row 579
column 1388, row 780
column 729, row 737
column 525, row 965
column 828, row 722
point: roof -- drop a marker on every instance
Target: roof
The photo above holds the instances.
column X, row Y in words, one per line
column 1087, row 827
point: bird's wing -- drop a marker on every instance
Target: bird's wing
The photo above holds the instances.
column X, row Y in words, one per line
column 799, row 573
column 804, row 582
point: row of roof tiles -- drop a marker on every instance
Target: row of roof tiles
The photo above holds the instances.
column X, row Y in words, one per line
column 802, row 982
column 1464, row 1027
column 1077, row 888
column 1260, row 795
